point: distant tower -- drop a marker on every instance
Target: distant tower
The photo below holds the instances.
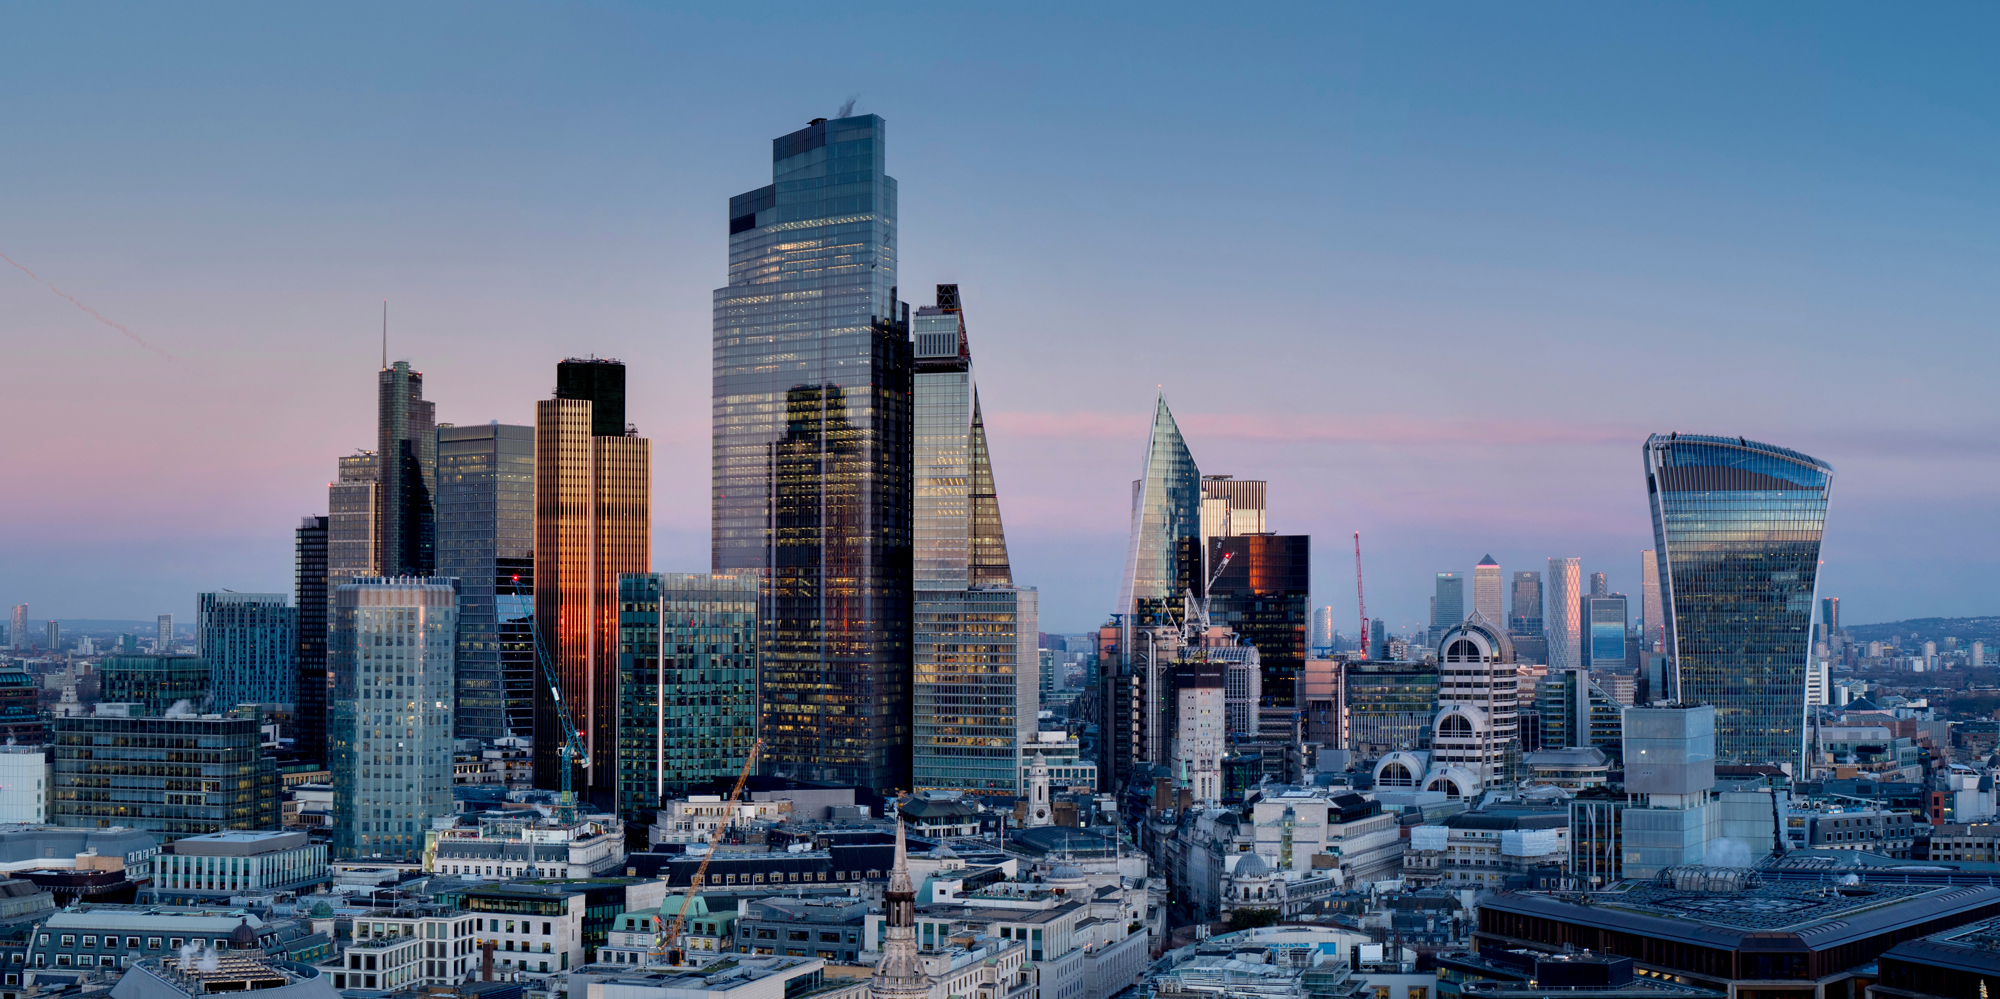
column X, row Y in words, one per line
column 20, row 630
column 55, row 636
column 1652, row 615
column 1563, row 620
column 309, row 595
column 165, row 634
column 1527, row 616
column 1599, row 585
column 900, row 973
column 1486, row 590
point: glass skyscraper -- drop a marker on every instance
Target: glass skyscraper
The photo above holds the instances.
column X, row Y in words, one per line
column 486, row 531
column 1737, row 525
column 1486, row 592
column 694, row 723
column 250, row 642
column 391, row 650
column 1606, row 616
column 975, row 683
column 406, row 442
column 812, row 452
column 1163, row 557
column 1563, row 620
column 1652, row 612
column 1262, row 595
column 310, row 600
column 1526, row 616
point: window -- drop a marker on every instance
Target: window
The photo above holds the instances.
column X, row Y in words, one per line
column 69, row 940
column 131, row 943
column 152, row 943
column 545, row 929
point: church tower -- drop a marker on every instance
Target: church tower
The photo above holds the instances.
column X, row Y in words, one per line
column 900, row 975
column 1038, row 792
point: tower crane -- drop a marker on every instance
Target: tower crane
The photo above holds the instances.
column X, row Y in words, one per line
column 572, row 748
column 671, row 938
column 1361, row 600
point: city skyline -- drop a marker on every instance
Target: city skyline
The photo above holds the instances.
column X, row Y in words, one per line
column 494, row 288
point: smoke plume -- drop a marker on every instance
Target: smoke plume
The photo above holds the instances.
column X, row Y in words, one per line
column 847, row 108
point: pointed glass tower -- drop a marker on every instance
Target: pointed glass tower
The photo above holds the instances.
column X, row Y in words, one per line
column 975, row 632
column 1164, row 558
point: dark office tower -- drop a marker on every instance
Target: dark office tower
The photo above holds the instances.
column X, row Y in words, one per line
column 603, row 383
column 811, row 484
column 486, row 517
column 1526, row 616
column 692, row 724
column 1378, row 640
column 309, row 594
column 406, row 441
column 1448, row 606
column 593, row 522
column 1599, row 585
column 1830, row 615
column 1263, row 593
column 1737, row 526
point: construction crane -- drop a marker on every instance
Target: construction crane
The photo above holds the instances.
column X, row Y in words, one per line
column 1361, row 600
column 572, row 748
column 671, row 938
column 1197, row 610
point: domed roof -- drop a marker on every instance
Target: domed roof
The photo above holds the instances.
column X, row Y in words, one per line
column 1251, row 866
column 1066, row 872
column 243, row 937
column 322, row 911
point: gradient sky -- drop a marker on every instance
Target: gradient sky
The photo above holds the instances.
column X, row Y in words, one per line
column 1434, row 271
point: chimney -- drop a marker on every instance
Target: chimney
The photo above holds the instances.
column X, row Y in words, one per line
column 486, row 961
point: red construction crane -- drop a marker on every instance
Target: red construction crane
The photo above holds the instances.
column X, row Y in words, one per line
column 1360, row 599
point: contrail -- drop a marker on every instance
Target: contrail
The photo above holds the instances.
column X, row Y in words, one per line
column 136, row 338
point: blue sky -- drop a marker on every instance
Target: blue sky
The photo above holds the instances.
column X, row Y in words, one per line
column 1434, row 271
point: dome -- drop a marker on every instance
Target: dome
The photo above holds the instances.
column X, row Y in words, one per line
column 1251, row 866
column 1066, row 872
column 243, row 937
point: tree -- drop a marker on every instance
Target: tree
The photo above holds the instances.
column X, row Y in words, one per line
column 1250, row 919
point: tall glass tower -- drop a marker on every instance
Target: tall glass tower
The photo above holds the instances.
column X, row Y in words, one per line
column 1162, row 564
column 391, row 648
column 812, row 452
column 687, row 684
column 486, row 531
column 1562, row 622
column 974, row 693
column 250, row 641
column 405, row 439
column 310, row 597
column 1737, row 525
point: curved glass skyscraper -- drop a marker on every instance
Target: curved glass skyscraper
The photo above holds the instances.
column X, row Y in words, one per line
column 1737, row 525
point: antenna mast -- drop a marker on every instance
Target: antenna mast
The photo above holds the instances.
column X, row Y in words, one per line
column 1361, row 601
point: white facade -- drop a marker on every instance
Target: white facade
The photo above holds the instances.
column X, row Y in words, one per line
column 1201, row 739
column 24, row 784
column 1562, row 621
column 1475, row 736
column 392, row 650
column 1295, row 825
column 406, row 949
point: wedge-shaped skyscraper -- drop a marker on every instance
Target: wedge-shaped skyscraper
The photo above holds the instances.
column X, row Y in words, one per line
column 1737, row 526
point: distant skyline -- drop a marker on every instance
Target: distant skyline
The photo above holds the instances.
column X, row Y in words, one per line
column 1434, row 272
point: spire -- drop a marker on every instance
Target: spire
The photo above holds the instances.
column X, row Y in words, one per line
column 900, row 973
column 899, row 878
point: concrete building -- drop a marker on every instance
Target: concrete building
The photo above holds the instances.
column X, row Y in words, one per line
column 25, row 780
column 742, row 978
column 537, row 929
column 522, row 844
column 412, row 947
column 823, row 927
column 1326, row 829
column 213, row 868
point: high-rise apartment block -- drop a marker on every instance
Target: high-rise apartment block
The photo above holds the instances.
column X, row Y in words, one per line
column 352, row 500
column 20, row 630
column 391, row 648
column 593, row 523
column 1738, row 525
column 163, row 641
column 1599, row 584
column 812, row 428
column 309, row 599
column 172, row 776
column 54, row 636
column 485, row 539
column 1830, row 615
column 1562, row 623
column 975, row 685
column 1486, row 592
column 250, row 641
column 691, row 723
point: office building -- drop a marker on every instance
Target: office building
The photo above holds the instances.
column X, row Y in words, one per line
column 1605, row 616
column 811, row 483
column 406, row 449
column 1829, row 616
column 1262, row 595
column 1486, row 592
column 1230, row 507
column 211, row 868
column 1738, row 525
column 693, row 722
column 156, row 683
column 1652, row 613
column 20, row 712
column 1389, row 706
column 163, row 641
column 1162, row 565
column 53, row 632
column 593, row 523
column 1448, row 604
column 250, row 641
column 172, row 776
column 309, row 600
column 1562, row 623
column 974, row 696
column 352, row 500
column 1573, row 711
column 1475, row 736
column 391, row 649
column 1322, row 632
column 1599, row 584
column 20, row 629
column 486, row 538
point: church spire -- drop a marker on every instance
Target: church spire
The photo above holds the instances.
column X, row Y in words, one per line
column 900, row 974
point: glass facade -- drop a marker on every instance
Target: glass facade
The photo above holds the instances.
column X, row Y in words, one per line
column 309, row 597
column 1737, row 525
column 406, row 441
column 1607, row 616
column 975, row 687
column 1163, row 559
column 250, row 641
column 486, row 516
column 171, row 777
column 392, row 645
column 1562, row 624
column 1389, row 706
column 695, row 722
column 1448, row 607
column 812, row 452
column 1652, row 613
column 155, row 683
column 593, row 523
column 1263, row 595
